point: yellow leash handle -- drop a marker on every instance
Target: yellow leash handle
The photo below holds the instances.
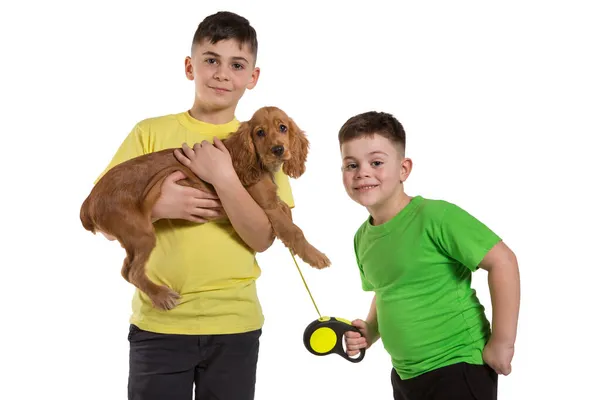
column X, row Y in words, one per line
column 325, row 335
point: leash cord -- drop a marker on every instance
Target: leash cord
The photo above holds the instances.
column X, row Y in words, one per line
column 305, row 285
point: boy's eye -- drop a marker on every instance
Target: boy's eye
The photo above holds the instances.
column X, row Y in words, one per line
column 210, row 60
column 260, row 132
column 237, row 66
column 350, row 166
column 377, row 163
column 282, row 128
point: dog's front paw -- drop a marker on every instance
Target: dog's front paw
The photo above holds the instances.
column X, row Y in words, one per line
column 165, row 299
column 316, row 259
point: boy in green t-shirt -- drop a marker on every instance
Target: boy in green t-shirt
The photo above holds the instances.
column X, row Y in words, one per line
column 417, row 255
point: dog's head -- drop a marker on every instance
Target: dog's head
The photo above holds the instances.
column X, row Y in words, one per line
column 272, row 140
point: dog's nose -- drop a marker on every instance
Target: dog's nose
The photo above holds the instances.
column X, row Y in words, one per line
column 277, row 150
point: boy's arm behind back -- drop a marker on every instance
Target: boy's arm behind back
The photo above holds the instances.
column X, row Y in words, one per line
column 505, row 291
column 471, row 242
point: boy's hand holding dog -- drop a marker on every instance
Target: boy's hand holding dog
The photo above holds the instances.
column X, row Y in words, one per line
column 184, row 202
column 211, row 163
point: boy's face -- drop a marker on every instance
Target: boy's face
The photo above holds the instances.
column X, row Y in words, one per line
column 373, row 170
column 222, row 72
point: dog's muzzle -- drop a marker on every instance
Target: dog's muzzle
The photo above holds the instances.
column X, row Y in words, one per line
column 277, row 150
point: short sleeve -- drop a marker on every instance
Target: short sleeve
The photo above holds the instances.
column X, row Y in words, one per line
column 366, row 285
column 463, row 237
column 284, row 189
column 134, row 145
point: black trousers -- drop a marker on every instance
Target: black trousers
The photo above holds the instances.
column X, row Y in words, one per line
column 168, row 367
column 460, row 381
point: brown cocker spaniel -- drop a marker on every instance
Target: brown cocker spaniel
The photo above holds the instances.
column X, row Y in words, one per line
column 120, row 204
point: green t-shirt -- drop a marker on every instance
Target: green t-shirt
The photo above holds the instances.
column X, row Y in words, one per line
column 419, row 265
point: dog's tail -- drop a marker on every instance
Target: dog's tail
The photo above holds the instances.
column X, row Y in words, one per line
column 84, row 215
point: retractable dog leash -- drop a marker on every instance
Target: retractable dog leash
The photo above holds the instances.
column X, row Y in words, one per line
column 325, row 335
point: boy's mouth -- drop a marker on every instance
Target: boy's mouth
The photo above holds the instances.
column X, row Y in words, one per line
column 365, row 188
column 220, row 90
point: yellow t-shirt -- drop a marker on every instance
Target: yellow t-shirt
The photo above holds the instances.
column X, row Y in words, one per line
column 209, row 265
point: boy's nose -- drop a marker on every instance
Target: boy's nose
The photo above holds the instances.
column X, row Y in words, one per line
column 221, row 74
column 362, row 172
column 277, row 150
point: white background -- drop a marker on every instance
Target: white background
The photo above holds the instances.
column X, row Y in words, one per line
column 500, row 104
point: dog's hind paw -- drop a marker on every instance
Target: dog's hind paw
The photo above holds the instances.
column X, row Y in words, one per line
column 165, row 299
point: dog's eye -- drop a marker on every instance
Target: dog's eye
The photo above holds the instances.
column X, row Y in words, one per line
column 282, row 128
column 260, row 132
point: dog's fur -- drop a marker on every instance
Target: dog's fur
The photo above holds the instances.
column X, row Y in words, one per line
column 120, row 204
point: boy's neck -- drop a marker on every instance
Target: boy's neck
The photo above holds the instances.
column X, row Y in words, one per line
column 212, row 116
column 385, row 212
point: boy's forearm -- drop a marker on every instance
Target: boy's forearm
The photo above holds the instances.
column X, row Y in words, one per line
column 246, row 216
column 372, row 319
column 504, row 283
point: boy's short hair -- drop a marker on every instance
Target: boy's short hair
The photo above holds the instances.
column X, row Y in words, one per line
column 225, row 25
column 373, row 123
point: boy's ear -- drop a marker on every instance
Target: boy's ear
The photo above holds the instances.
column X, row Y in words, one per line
column 253, row 79
column 406, row 166
column 189, row 68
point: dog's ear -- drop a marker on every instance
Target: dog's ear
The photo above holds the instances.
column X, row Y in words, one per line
column 243, row 154
column 295, row 166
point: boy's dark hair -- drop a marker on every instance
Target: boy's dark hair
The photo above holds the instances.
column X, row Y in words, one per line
column 371, row 123
column 226, row 25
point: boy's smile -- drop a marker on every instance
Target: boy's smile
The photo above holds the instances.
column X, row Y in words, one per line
column 365, row 188
column 373, row 172
column 219, row 90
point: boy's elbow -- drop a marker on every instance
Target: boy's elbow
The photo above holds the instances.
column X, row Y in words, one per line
column 261, row 249
column 264, row 240
column 264, row 245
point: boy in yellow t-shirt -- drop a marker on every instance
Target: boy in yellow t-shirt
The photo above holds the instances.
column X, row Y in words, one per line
column 211, row 339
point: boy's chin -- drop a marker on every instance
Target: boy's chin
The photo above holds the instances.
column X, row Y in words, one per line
column 218, row 102
column 366, row 201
